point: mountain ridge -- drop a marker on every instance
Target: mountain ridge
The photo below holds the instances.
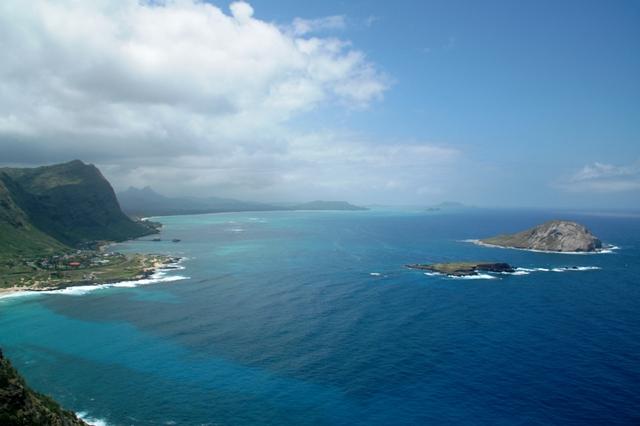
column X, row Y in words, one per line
column 52, row 208
column 147, row 202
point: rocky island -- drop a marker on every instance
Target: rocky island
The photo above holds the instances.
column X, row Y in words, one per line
column 463, row 269
column 553, row 236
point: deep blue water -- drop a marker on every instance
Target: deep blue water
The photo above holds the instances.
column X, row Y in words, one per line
column 282, row 323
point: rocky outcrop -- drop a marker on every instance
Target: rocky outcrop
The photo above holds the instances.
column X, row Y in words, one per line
column 555, row 235
column 462, row 269
column 20, row 405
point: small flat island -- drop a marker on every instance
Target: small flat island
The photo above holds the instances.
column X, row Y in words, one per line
column 553, row 236
column 463, row 269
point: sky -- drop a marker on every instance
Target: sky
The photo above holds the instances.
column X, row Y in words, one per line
column 494, row 103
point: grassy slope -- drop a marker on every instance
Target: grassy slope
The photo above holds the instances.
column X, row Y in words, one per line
column 18, row 237
column 520, row 239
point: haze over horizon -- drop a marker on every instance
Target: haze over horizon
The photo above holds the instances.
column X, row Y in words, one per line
column 412, row 103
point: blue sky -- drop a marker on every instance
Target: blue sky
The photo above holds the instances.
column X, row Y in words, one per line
column 537, row 89
column 405, row 102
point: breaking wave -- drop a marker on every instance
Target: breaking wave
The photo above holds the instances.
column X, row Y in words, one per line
column 607, row 249
column 83, row 415
column 465, row 277
column 475, row 277
column 527, row 271
column 160, row 276
column 517, row 271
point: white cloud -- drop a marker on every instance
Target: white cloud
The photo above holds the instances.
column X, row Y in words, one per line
column 370, row 20
column 95, row 64
column 242, row 11
column 319, row 165
column 600, row 177
column 186, row 97
column 302, row 26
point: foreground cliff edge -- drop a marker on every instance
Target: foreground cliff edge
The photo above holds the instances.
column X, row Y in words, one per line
column 553, row 236
column 20, row 405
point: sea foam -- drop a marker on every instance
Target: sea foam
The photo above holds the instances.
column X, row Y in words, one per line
column 475, row 277
column 607, row 249
column 160, row 276
column 517, row 271
column 83, row 415
column 526, row 271
column 464, row 277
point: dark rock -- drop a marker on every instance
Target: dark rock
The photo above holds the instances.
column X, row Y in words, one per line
column 460, row 269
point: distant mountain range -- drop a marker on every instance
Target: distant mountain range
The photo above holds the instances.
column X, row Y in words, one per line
column 450, row 206
column 47, row 209
column 146, row 202
column 326, row 205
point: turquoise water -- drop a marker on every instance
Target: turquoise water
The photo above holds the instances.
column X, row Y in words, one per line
column 309, row 318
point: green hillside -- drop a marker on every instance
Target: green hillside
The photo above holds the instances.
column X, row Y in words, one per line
column 18, row 237
column 52, row 208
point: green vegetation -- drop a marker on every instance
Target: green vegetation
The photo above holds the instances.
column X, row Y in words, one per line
column 71, row 203
column 47, row 213
column 77, row 268
column 18, row 237
column 20, row 405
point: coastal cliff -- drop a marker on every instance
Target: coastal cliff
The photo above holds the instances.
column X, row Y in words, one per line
column 55, row 219
column 20, row 405
column 71, row 203
column 555, row 235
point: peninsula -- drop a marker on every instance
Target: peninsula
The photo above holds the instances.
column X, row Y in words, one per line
column 553, row 236
column 55, row 223
column 463, row 269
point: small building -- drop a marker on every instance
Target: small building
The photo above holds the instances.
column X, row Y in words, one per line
column 74, row 264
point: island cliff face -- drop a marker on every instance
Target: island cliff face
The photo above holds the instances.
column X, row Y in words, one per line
column 555, row 235
column 19, row 405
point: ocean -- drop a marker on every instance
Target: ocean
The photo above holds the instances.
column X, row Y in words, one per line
column 310, row 318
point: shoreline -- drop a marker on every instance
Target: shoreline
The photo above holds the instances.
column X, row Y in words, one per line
column 606, row 250
column 150, row 276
